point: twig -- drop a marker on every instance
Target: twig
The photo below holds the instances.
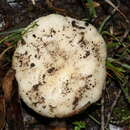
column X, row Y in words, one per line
column 125, row 33
column 102, row 114
column 112, row 107
column 117, row 9
column 95, row 120
column 102, row 109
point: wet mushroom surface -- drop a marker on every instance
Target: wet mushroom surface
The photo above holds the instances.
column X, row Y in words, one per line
column 60, row 65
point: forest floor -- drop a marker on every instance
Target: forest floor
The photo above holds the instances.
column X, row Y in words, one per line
column 112, row 19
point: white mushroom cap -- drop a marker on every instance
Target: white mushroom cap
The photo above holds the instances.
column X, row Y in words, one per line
column 60, row 66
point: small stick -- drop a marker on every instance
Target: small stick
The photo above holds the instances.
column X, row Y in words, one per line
column 102, row 114
column 93, row 118
column 102, row 109
column 112, row 107
column 125, row 33
column 117, row 9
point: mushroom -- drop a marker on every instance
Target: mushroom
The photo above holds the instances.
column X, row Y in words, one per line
column 60, row 65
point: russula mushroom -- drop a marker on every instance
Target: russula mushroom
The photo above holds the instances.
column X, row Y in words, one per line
column 60, row 66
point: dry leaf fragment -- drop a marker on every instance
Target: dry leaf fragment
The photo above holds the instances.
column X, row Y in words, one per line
column 2, row 113
column 14, row 117
column 7, row 84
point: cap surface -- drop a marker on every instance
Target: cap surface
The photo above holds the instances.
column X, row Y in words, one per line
column 60, row 65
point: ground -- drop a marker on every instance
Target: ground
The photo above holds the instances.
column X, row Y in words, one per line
column 112, row 19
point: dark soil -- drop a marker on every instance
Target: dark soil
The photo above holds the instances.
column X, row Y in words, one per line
column 15, row 115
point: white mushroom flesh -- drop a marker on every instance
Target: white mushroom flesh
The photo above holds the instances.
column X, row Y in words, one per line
column 60, row 66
